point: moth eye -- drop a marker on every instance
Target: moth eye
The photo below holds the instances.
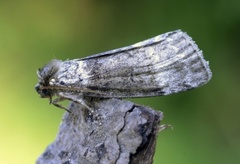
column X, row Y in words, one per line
column 52, row 81
column 62, row 83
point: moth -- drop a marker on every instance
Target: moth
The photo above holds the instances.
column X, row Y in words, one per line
column 163, row 65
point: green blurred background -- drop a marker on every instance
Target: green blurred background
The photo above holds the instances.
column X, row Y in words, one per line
column 206, row 121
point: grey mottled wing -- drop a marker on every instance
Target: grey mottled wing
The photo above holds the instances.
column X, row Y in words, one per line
column 162, row 65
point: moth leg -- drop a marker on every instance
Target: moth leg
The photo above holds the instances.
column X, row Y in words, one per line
column 76, row 100
column 57, row 100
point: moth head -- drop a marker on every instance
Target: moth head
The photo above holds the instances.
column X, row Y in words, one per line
column 46, row 79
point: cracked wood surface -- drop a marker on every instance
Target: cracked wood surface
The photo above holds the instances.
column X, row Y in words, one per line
column 118, row 132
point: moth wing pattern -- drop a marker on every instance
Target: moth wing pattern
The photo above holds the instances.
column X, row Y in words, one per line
column 165, row 64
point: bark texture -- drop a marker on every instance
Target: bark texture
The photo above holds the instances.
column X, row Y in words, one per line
column 118, row 132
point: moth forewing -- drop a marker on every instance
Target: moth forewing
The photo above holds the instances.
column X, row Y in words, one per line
column 158, row 66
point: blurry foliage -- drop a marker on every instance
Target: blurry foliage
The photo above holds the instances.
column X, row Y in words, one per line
column 206, row 121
